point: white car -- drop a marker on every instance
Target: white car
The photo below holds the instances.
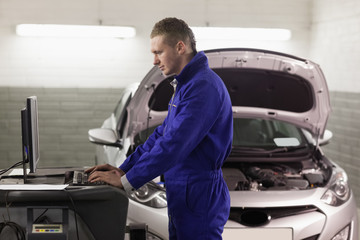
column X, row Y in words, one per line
column 281, row 184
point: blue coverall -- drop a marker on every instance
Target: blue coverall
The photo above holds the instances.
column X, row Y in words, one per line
column 189, row 148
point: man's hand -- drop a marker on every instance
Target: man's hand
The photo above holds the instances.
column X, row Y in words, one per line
column 106, row 173
column 104, row 167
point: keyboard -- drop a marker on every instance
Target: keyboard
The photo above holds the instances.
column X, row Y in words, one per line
column 79, row 178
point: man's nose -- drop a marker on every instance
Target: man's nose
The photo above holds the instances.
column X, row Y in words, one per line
column 156, row 60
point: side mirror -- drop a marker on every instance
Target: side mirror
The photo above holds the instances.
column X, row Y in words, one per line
column 104, row 136
column 326, row 138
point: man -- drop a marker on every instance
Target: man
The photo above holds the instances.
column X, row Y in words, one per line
column 190, row 146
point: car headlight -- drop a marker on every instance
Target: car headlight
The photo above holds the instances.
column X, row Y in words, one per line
column 339, row 191
column 343, row 234
column 150, row 194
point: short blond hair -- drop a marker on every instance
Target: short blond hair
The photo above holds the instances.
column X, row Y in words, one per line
column 174, row 30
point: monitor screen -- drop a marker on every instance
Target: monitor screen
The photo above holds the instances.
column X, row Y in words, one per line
column 30, row 135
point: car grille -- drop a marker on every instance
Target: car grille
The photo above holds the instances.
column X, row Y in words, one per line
column 254, row 217
column 312, row 237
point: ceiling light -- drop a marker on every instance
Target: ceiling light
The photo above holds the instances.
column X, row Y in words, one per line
column 76, row 31
column 243, row 34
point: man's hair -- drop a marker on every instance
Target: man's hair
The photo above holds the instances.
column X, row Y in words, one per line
column 174, row 30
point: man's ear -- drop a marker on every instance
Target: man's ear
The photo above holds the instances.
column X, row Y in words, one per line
column 181, row 47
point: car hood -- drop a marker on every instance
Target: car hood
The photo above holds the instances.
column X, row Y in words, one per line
column 262, row 84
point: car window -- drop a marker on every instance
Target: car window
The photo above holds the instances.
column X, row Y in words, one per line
column 141, row 137
column 121, row 104
column 265, row 133
column 159, row 100
column 120, row 112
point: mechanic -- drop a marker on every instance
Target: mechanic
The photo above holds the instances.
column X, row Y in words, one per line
column 190, row 146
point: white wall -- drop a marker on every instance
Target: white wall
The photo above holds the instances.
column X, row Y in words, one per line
column 335, row 42
column 34, row 62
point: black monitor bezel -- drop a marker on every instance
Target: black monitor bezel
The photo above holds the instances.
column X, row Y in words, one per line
column 30, row 136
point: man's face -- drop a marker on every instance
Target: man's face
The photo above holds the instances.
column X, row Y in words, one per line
column 167, row 58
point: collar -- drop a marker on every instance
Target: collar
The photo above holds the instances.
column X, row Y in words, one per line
column 197, row 62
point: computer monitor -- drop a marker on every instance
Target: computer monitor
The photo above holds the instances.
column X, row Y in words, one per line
column 30, row 135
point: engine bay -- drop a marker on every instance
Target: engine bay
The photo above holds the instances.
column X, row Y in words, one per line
column 265, row 176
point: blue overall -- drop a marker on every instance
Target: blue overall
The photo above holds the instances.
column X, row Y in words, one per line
column 189, row 148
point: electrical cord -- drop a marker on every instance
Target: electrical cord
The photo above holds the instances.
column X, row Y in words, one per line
column 40, row 217
column 17, row 229
column 75, row 213
column 13, row 166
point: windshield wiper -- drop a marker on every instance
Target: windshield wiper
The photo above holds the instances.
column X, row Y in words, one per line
column 254, row 150
column 286, row 149
column 247, row 149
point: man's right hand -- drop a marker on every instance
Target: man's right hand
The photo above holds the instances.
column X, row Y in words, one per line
column 106, row 173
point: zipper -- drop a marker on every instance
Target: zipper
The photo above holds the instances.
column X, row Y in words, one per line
column 174, row 84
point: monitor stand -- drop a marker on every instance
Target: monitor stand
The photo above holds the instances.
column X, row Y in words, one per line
column 18, row 176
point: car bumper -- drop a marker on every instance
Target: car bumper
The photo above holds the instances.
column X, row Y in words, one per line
column 323, row 224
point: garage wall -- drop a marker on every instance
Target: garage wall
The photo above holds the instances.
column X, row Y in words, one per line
column 78, row 81
column 344, row 148
column 335, row 37
column 48, row 62
column 65, row 116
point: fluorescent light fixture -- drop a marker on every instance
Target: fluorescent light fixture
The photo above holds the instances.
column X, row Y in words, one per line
column 242, row 34
column 76, row 31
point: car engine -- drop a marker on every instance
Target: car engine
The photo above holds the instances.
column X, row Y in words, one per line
column 275, row 176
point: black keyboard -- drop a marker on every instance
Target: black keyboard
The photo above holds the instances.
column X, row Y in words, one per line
column 79, row 178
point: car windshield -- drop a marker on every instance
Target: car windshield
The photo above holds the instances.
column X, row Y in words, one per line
column 261, row 137
column 257, row 135
column 253, row 132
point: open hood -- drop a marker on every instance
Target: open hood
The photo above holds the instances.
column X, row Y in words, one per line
column 261, row 84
